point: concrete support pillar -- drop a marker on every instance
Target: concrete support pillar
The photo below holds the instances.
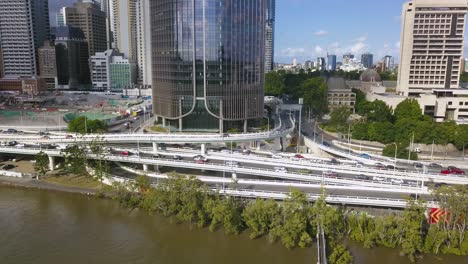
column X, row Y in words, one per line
column 221, row 126
column 203, row 149
column 245, row 126
column 155, row 147
column 156, row 168
column 156, row 119
column 145, row 167
column 180, row 125
column 51, row 163
column 253, row 144
column 164, row 122
column 258, row 145
column 234, row 176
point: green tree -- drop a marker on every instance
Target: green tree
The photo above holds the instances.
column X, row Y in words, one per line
column 42, row 163
column 100, row 164
column 293, row 227
column 389, row 151
column 228, row 213
column 412, row 228
column 274, row 84
column 408, row 109
column 340, row 255
column 260, row 215
column 339, row 119
column 314, row 92
column 75, row 159
column 85, row 125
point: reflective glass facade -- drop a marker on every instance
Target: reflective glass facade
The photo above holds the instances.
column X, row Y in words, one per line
column 208, row 58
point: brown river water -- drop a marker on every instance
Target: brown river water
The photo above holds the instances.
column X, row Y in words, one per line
column 44, row 227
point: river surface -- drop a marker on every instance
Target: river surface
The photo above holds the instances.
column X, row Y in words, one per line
column 44, row 227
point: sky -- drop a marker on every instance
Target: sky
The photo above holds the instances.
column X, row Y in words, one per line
column 307, row 29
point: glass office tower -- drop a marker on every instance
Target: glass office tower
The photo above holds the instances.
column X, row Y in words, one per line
column 208, row 62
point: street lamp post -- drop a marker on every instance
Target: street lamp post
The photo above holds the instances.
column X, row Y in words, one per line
column 396, row 151
column 301, row 102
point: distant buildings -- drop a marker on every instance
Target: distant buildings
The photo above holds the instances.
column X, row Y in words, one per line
column 24, row 26
column 122, row 73
column 72, row 58
column 347, row 57
column 432, row 46
column 87, row 16
column 340, row 95
column 331, row 62
column 99, row 65
column 352, row 65
column 388, row 63
column 367, row 60
column 270, row 35
column 124, row 27
column 143, row 28
column 320, row 64
column 48, row 64
column 60, row 18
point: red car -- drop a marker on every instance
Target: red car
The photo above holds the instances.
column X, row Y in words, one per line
column 68, row 137
column 299, row 156
column 452, row 170
column 124, row 153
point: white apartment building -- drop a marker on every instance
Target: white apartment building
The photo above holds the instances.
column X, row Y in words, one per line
column 432, row 46
column 99, row 65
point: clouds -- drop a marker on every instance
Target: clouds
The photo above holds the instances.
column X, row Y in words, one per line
column 320, row 33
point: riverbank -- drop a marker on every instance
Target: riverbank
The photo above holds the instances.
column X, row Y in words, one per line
column 42, row 185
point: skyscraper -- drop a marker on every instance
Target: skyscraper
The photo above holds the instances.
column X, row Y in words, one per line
column 124, row 27
column 87, row 16
column 208, row 62
column 388, row 63
column 48, row 64
column 320, row 64
column 24, row 26
column 60, row 18
column 331, row 62
column 432, row 44
column 72, row 55
column 270, row 35
column 367, row 60
column 143, row 42
column 347, row 57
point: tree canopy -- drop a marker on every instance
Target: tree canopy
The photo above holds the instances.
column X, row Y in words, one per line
column 83, row 125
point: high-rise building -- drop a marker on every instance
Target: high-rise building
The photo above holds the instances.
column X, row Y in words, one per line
column 72, row 55
column 99, row 65
column 24, row 26
column 122, row 73
column 208, row 62
column 388, row 63
column 270, row 35
column 331, row 62
column 124, row 27
column 432, row 44
column 105, row 7
column 320, row 64
column 60, row 17
column 87, row 16
column 347, row 57
column 48, row 64
column 367, row 60
column 143, row 42
column 308, row 65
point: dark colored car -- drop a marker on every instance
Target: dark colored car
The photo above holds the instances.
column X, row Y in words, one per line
column 435, row 165
column 418, row 165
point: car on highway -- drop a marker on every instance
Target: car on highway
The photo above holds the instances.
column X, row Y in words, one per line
column 10, row 131
column 390, row 167
column 365, row 156
column 45, row 137
column 225, row 150
column 334, row 162
column 452, row 170
column 280, row 169
column 380, row 166
column 68, row 137
column 48, row 146
column 246, row 152
column 276, row 156
column 43, row 133
column 12, row 143
column 362, row 177
column 20, row 145
column 297, row 157
column 326, row 144
column 231, row 163
column 418, row 165
column 200, row 161
column 176, row 157
column 330, row 174
column 396, row 181
column 417, row 150
column 200, row 158
column 156, row 156
column 435, row 166
column 378, row 178
column 124, row 153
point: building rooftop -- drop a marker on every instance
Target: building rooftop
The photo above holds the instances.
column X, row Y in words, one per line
column 370, row 75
